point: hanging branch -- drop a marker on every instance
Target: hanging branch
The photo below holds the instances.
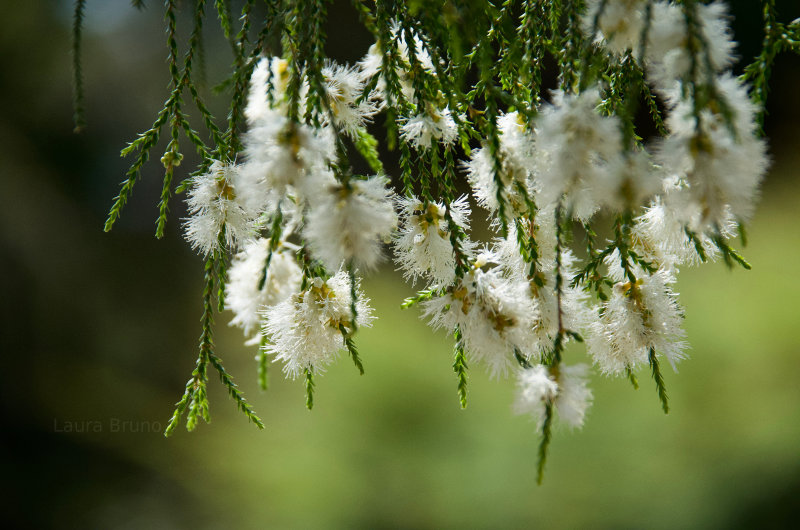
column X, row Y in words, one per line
column 286, row 225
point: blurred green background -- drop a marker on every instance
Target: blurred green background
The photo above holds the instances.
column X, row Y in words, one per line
column 99, row 333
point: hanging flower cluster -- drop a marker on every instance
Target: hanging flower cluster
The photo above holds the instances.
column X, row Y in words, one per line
column 288, row 228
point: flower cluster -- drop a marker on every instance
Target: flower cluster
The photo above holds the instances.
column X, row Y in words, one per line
column 521, row 298
column 589, row 218
column 296, row 298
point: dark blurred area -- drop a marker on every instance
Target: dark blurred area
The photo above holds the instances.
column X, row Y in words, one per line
column 98, row 335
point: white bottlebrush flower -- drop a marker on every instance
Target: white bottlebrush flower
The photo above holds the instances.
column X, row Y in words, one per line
column 495, row 316
column 347, row 223
column 536, row 388
column 517, row 167
column 282, row 157
column 422, row 243
column 619, row 25
column 659, row 234
column 372, row 63
column 343, row 86
column 637, row 318
column 639, row 179
column 720, row 160
column 242, row 293
column 304, row 330
column 575, row 314
column 433, row 124
column 267, row 90
column 582, row 149
column 668, row 48
column 566, row 388
column 213, row 204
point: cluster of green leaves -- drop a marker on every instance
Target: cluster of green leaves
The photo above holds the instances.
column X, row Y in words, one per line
column 195, row 399
column 778, row 37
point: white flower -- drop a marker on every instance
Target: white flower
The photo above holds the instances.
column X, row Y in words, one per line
column 347, row 223
column 668, row 48
column 566, row 388
column 582, row 148
column 721, row 162
column 304, row 330
column 637, row 318
column 434, row 124
column 619, row 25
column 343, row 86
column 537, row 388
column 429, row 123
column 517, row 166
column 659, row 234
column 495, row 316
column 372, row 63
column 242, row 293
column 261, row 104
column 282, row 157
column 574, row 396
column 422, row 243
column 575, row 314
column 213, row 204
column 638, row 180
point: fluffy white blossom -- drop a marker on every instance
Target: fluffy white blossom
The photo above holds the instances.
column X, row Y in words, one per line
column 283, row 157
column 495, row 316
column 263, row 103
column 213, row 204
column 242, row 293
column 422, row 243
column 669, row 54
column 574, row 396
column 720, row 160
column 582, row 149
column 659, row 235
column 343, row 86
column 517, row 167
column 347, row 223
column 434, row 124
column 428, row 123
column 638, row 318
column 638, row 180
column 566, row 388
column 536, row 388
column 304, row 330
column 575, row 313
column 372, row 64
column 619, row 25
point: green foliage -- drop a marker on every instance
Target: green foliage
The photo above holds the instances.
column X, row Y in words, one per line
column 659, row 379
column 367, row 145
column 778, row 37
column 309, row 389
column 544, row 442
column 195, row 398
column 351, row 348
column 460, row 367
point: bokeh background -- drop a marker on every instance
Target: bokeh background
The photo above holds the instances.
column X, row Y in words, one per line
column 98, row 334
